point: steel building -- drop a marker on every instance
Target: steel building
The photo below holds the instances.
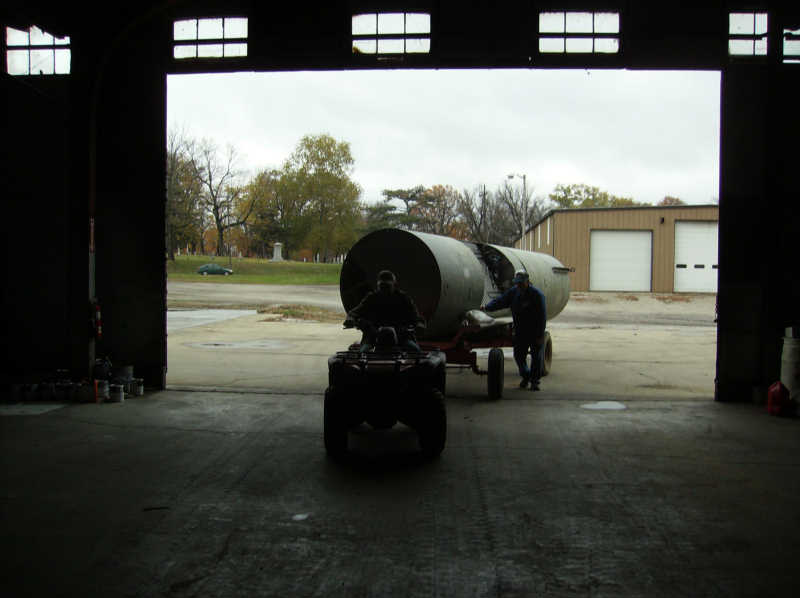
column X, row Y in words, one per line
column 638, row 249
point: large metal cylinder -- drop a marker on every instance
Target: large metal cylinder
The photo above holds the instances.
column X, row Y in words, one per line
column 446, row 277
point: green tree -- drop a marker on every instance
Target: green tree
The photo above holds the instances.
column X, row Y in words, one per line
column 183, row 211
column 411, row 197
column 381, row 215
column 319, row 171
column 585, row 196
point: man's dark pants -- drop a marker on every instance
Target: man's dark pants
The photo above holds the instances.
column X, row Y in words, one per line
column 523, row 346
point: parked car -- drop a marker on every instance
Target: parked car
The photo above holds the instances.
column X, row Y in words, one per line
column 207, row 269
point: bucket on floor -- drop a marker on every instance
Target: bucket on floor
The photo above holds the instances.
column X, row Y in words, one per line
column 116, row 393
column 137, row 387
column 790, row 366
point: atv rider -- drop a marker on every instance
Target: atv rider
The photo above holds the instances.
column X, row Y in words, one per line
column 386, row 306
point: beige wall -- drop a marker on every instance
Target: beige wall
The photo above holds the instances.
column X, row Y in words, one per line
column 570, row 234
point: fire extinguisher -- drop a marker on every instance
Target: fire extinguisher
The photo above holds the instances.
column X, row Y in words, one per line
column 96, row 321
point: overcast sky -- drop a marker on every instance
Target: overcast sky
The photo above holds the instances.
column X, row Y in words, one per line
column 632, row 133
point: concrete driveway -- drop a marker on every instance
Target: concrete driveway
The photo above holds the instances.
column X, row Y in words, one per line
column 620, row 345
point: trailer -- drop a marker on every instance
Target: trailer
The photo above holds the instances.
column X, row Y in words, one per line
column 449, row 280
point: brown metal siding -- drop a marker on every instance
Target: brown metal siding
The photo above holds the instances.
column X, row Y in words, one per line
column 571, row 232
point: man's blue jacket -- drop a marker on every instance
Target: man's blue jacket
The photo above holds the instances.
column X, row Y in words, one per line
column 528, row 309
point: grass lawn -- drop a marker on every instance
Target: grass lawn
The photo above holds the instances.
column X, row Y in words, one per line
column 253, row 271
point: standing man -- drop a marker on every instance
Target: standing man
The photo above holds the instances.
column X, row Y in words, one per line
column 529, row 311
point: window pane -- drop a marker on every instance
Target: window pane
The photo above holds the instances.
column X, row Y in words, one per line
column 39, row 37
column 62, row 62
column 15, row 37
column 42, row 62
column 579, row 22
column 606, row 45
column 184, row 30
column 606, row 22
column 740, row 47
column 579, row 45
column 761, row 47
column 209, row 51
column 791, row 47
column 391, row 22
column 365, row 24
column 390, row 46
column 232, row 50
column 549, row 45
column 417, row 22
column 235, row 28
column 418, row 46
column 180, row 52
column 62, row 41
column 761, row 23
column 551, row 22
column 364, row 46
column 209, row 29
column 17, row 62
column 741, row 23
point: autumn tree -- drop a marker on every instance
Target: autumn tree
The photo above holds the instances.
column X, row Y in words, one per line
column 436, row 211
column 671, row 201
column 319, row 170
column 222, row 196
column 585, row 196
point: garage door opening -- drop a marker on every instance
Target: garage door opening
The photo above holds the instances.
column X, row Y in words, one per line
column 512, row 135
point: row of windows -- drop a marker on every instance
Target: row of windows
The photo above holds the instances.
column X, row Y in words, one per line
column 35, row 52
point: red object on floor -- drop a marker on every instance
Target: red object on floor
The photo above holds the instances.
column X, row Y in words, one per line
column 778, row 401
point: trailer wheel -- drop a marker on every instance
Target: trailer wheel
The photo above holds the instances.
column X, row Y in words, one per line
column 495, row 377
column 334, row 424
column 548, row 354
column 433, row 426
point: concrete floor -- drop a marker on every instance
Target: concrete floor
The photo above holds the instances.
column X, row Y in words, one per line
column 621, row 478
column 221, row 494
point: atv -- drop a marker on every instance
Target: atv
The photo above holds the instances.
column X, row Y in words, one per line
column 382, row 384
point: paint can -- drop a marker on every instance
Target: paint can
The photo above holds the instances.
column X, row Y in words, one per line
column 790, row 366
column 100, row 390
column 116, row 393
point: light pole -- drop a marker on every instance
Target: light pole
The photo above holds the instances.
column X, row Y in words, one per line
column 522, row 242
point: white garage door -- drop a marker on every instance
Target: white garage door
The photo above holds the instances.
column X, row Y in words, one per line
column 696, row 257
column 620, row 260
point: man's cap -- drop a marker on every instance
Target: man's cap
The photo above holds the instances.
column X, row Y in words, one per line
column 386, row 276
column 520, row 276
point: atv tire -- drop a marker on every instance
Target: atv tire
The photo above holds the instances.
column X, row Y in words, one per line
column 432, row 428
column 335, row 425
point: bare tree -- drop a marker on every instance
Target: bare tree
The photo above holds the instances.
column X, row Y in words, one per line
column 221, row 192
column 487, row 218
column 515, row 203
